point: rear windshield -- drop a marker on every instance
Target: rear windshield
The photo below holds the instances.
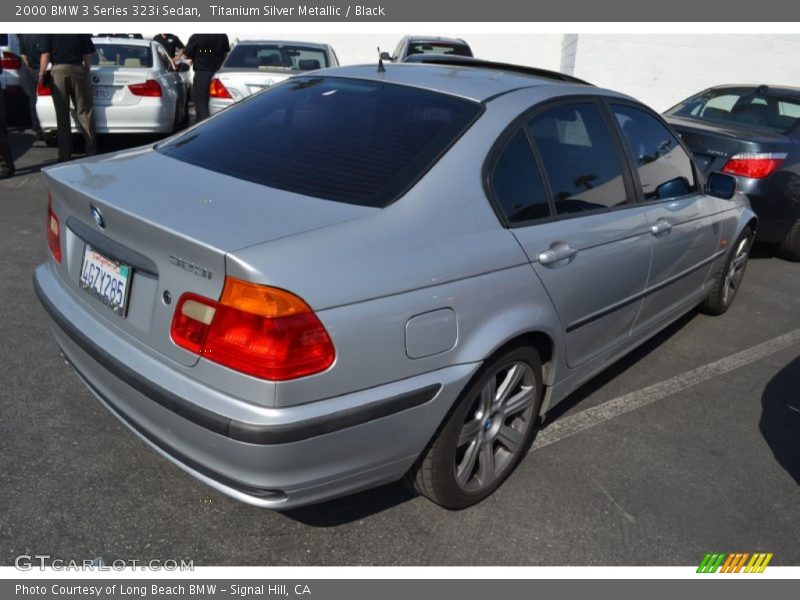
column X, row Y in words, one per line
column 270, row 57
column 742, row 107
column 122, row 55
column 354, row 141
column 447, row 48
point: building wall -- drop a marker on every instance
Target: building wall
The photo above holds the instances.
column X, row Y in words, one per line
column 658, row 69
column 661, row 70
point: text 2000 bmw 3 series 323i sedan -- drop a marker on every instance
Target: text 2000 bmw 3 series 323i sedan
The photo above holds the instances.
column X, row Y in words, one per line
column 372, row 274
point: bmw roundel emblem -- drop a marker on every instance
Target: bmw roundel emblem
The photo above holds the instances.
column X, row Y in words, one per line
column 96, row 79
column 98, row 217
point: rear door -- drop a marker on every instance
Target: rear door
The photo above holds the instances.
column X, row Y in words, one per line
column 684, row 222
column 564, row 188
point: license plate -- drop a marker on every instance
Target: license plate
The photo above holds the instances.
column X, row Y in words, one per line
column 103, row 93
column 106, row 279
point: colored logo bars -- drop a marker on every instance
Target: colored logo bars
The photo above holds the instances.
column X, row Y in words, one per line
column 734, row 563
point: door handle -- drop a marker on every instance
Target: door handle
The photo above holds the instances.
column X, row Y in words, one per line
column 661, row 227
column 558, row 252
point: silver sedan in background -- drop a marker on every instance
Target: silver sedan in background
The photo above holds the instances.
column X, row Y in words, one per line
column 254, row 65
column 363, row 275
column 136, row 89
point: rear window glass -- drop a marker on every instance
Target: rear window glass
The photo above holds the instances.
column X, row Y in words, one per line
column 269, row 57
column 439, row 48
column 747, row 107
column 360, row 142
column 122, row 55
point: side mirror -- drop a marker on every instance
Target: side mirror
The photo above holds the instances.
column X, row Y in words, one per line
column 721, row 185
column 386, row 56
column 183, row 67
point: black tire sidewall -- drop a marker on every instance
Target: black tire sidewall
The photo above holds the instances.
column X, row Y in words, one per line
column 451, row 494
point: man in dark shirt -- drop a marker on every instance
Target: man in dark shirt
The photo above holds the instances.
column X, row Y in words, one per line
column 6, row 161
column 171, row 42
column 71, row 55
column 30, row 51
column 206, row 51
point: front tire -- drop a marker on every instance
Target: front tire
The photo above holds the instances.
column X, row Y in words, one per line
column 727, row 283
column 486, row 434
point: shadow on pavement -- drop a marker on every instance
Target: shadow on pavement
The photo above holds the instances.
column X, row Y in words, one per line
column 780, row 419
column 351, row 508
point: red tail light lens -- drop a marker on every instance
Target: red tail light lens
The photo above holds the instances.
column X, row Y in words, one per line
column 259, row 330
column 755, row 165
column 53, row 232
column 43, row 89
column 10, row 61
column 217, row 89
column 149, row 89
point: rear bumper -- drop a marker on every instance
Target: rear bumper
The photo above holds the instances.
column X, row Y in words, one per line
column 776, row 201
column 150, row 115
column 279, row 457
column 217, row 104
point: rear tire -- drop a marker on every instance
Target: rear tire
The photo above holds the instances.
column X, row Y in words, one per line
column 790, row 247
column 729, row 279
column 51, row 139
column 486, row 434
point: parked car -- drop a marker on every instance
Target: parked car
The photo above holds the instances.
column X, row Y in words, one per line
column 374, row 274
column 411, row 45
column 16, row 102
column 254, row 65
column 753, row 133
column 136, row 89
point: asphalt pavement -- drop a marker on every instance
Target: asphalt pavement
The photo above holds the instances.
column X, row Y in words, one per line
column 689, row 445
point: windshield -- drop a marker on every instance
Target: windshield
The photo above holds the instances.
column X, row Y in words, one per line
column 270, row 57
column 349, row 140
column 122, row 55
column 742, row 107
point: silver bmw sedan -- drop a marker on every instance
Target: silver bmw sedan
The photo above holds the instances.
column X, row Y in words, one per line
column 376, row 273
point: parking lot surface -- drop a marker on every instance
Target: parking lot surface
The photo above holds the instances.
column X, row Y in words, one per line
column 691, row 444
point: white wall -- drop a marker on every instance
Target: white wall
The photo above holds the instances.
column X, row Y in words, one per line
column 658, row 69
column 661, row 70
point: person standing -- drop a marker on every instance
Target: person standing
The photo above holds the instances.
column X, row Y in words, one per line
column 207, row 51
column 171, row 42
column 6, row 160
column 71, row 55
column 30, row 51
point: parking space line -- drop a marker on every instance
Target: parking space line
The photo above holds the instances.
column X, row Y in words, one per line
column 591, row 417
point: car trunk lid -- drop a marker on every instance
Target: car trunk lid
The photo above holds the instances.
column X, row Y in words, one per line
column 713, row 144
column 111, row 85
column 173, row 223
column 242, row 83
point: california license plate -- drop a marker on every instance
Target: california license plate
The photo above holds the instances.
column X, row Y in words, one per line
column 106, row 279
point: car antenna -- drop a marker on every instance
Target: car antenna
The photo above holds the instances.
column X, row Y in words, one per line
column 381, row 68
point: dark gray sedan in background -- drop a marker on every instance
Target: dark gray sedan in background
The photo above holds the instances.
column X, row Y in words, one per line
column 753, row 133
column 367, row 274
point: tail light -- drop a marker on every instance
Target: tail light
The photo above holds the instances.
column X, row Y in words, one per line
column 258, row 330
column 42, row 89
column 217, row 89
column 149, row 88
column 755, row 165
column 10, row 61
column 53, row 232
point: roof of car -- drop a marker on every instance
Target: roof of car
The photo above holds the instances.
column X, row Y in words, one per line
column 475, row 83
column 781, row 90
column 416, row 39
column 285, row 43
column 123, row 41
